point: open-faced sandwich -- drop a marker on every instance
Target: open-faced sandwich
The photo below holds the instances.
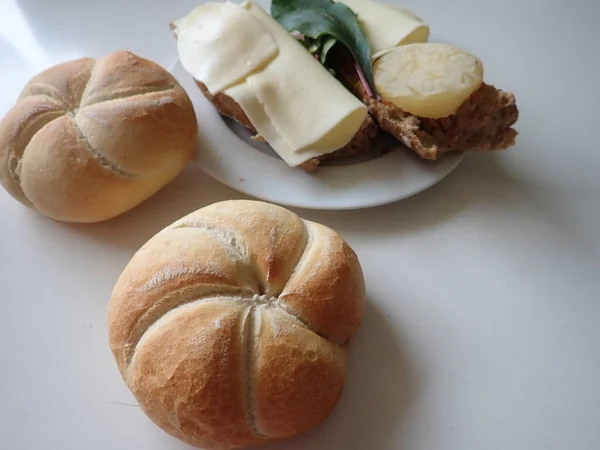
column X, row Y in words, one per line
column 431, row 96
column 254, row 71
column 319, row 79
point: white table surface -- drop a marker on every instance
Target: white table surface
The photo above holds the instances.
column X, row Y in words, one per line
column 482, row 330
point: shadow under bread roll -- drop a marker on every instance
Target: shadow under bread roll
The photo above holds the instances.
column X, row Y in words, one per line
column 253, row 71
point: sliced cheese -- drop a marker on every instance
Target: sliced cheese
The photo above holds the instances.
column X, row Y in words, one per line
column 307, row 105
column 293, row 101
column 387, row 26
column 248, row 101
column 221, row 44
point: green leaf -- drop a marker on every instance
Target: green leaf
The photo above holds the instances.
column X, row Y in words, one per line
column 329, row 20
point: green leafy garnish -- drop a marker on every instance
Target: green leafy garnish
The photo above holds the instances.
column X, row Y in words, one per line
column 322, row 23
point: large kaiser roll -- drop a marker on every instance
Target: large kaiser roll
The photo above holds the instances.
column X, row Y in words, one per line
column 90, row 139
column 231, row 325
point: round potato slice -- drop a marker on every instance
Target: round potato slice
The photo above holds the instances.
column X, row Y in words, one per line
column 427, row 80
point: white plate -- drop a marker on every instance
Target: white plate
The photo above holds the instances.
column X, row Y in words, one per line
column 228, row 154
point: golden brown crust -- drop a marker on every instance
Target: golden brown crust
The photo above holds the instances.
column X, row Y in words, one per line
column 277, row 383
column 89, row 139
column 269, row 236
column 63, row 83
column 58, row 146
column 483, row 122
column 260, row 292
column 167, row 273
column 323, row 302
column 208, row 404
column 18, row 127
column 361, row 142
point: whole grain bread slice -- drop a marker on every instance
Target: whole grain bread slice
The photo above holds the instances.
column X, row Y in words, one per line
column 483, row 122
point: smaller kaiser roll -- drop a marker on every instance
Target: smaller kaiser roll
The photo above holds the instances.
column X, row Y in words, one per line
column 90, row 139
column 231, row 326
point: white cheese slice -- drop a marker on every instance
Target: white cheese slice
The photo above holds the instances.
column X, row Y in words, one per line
column 221, row 44
column 387, row 26
column 249, row 103
column 309, row 108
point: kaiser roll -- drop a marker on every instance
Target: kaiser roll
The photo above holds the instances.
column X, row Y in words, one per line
column 231, row 325
column 90, row 139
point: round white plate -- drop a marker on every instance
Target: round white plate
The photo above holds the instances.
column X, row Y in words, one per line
column 227, row 153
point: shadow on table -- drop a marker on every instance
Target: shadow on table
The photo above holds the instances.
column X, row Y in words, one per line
column 190, row 191
column 481, row 181
column 193, row 189
column 480, row 178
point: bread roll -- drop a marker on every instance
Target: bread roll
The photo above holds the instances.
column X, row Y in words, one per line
column 90, row 139
column 231, row 326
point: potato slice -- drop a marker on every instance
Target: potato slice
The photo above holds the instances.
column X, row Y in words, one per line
column 427, row 80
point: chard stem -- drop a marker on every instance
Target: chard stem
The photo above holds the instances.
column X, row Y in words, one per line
column 363, row 80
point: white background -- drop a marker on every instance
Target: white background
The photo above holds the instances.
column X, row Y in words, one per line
column 483, row 325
